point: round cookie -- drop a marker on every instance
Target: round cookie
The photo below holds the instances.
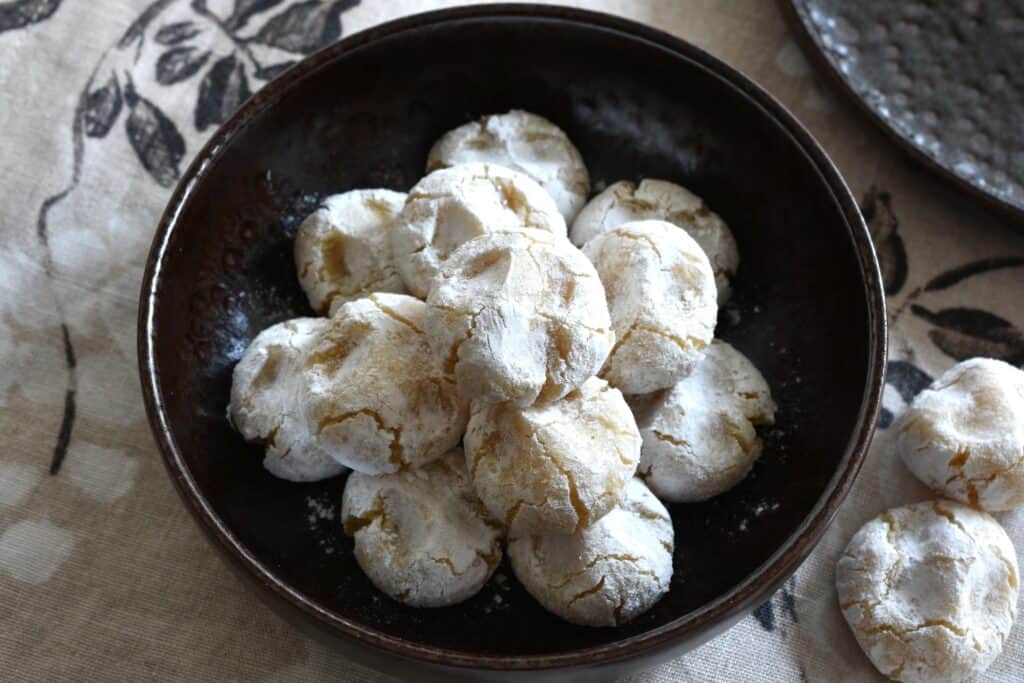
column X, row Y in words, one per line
column 699, row 437
column 930, row 591
column 519, row 317
column 266, row 405
column 376, row 394
column 343, row 251
column 555, row 468
column 422, row 536
column 964, row 435
column 453, row 205
column 661, row 296
column 609, row 572
column 624, row 202
column 525, row 142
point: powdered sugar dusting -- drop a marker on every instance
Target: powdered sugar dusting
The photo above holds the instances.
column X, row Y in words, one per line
column 761, row 508
column 320, row 509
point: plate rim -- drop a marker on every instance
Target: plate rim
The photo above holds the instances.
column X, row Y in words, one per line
column 810, row 47
column 742, row 597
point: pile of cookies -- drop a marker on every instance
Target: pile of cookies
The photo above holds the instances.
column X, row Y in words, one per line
column 930, row 589
column 496, row 379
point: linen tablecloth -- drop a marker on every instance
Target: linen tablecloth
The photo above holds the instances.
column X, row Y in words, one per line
column 103, row 574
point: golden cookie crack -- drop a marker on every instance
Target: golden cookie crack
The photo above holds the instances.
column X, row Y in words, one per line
column 1012, row 579
column 333, row 255
column 419, row 195
column 617, row 612
column 599, row 586
column 353, row 523
column 626, row 234
column 396, row 448
column 453, row 353
column 687, row 450
column 943, row 512
column 513, row 512
column 446, row 562
column 515, row 201
column 491, row 557
column 570, row 323
column 582, row 513
column 890, row 525
column 683, row 217
column 902, row 634
column 735, row 430
column 486, row 449
column 392, row 313
column 971, row 483
column 596, row 588
column 566, row 580
column 349, row 292
column 687, row 343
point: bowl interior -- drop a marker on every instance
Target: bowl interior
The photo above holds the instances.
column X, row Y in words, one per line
column 366, row 118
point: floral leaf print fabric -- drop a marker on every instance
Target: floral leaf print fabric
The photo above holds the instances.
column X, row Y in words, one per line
column 22, row 13
column 105, row 103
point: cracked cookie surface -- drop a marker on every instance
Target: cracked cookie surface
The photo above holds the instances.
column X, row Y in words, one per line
column 266, row 404
column 453, row 205
column 624, row 201
column 661, row 297
column 553, row 468
column 525, row 142
column 377, row 396
column 422, row 536
column 964, row 435
column 607, row 573
column 930, row 591
column 518, row 317
column 699, row 437
column 343, row 251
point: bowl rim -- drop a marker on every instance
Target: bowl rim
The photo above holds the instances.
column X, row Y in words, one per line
column 743, row 596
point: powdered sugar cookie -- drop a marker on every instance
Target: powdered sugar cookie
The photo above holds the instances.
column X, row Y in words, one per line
column 518, row 317
column 609, row 572
column 930, row 591
column 454, row 205
column 524, row 142
column 964, row 435
column 376, row 394
column 661, row 296
column 557, row 467
column 624, row 202
column 699, row 436
column 422, row 536
column 266, row 402
column 343, row 251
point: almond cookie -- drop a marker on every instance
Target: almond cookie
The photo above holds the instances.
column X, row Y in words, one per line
column 453, row 205
column 378, row 398
column 266, row 402
column 964, row 435
column 555, row 468
column 930, row 591
column 343, row 251
column 526, row 143
column 699, row 436
column 422, row 536
column 519, row 317
column 624, row 201
column 606, row 574
column 661, row 296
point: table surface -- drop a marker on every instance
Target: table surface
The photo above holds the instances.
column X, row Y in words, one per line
column 103, row 574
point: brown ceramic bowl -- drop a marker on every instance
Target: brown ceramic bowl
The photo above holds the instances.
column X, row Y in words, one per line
column 807, row 309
